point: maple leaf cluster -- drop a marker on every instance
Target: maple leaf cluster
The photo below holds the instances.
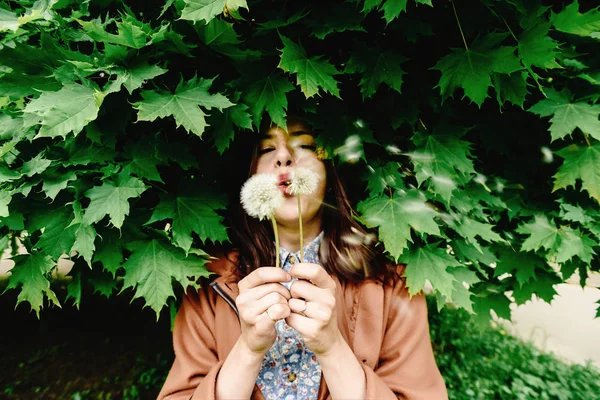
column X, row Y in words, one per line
column 469, row 137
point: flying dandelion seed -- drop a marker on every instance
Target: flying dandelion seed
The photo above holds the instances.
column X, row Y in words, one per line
column 499, row 186
column 547, row 156
column 351, row 151
column 393, row 150
column 359, row 123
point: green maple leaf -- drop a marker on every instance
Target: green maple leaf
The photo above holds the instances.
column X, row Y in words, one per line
column 471, row 68
column 376, row 67
column 5, row 199
column 224, row 124
column 268, row 94
column 537, row 49
column 192, row 214
column 574, row 243
column 574, row 213
column 347, row 18
column 466, row 252
column 443, row 159
column 103, row 283
column 469, row 229
column 218, row 33
column 311, row 73
column 112, row 199
column 391, row 8
column 16, row 85
column 36, row 165
column 520, row 264
column 85, row 235
column 207, row 10
column 425, row 263
column 144, row 161
column 129, row 34
column 67, row 110
column 74, row 288
column 542, row 286
column 566, row 115
column 110, row 253
column 56, row 181
column 396, row 216
column 58, row 236
column 511, row 88
column 493, row 301
column 15, row 221
column 461, row 295
column 183, row 105
column 383, row 177
column 30, row 273
column 542, row 234
column 570, row 20
column 8, row 175
column 152, row 266
column 581, row 163
column 137, row 76
column 8, row 21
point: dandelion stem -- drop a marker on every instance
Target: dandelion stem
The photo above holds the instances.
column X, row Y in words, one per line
column 301, row 233
column 276, row 241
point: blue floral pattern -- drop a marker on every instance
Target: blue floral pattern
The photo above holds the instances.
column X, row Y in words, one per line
column 289, row 370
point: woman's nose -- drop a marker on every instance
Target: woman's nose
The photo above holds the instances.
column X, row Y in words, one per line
column 284, row 157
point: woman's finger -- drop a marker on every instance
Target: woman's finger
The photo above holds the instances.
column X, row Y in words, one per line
column 262, row 290
column 268, row 301
column 313, row 273
column 276, row 312
column 299, row 306
column 263, row 275
column 308, row 291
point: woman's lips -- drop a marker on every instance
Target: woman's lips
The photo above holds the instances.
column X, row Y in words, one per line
column 284, row 182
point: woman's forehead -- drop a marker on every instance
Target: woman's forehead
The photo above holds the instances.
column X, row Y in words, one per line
column 294, row 129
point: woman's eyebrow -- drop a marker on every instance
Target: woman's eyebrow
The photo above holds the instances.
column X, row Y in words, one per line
column 267, row 135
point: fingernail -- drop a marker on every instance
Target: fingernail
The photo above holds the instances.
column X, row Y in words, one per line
column 289, row 277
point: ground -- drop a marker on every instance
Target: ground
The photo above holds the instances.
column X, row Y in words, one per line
column 108, row 350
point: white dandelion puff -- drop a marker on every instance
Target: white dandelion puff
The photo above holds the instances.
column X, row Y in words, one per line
column 304, row 181
column 261, row 196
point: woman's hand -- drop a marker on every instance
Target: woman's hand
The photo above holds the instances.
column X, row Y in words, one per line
column 313, row 307
column 261, row 291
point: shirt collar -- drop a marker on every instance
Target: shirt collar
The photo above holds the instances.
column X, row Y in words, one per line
column 311, row 251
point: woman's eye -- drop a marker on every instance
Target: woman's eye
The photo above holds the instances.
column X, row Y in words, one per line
column 265, row 151
column 311, row 147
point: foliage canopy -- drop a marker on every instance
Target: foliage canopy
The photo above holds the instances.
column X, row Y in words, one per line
column 474, row 128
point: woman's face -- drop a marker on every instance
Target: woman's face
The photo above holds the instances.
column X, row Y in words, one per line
column 279, row 153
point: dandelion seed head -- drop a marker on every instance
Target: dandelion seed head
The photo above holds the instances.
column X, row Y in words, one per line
column 261, row 196
column 304, row 181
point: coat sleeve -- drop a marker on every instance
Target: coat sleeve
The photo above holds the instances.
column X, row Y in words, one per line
column 406, row 368
column 196, row 365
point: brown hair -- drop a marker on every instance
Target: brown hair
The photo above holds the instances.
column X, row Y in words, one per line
column 348, row 250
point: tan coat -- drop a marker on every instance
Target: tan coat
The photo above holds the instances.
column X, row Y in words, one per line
column 387, row 331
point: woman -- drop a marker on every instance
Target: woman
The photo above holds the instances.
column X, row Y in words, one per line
column 338, row 326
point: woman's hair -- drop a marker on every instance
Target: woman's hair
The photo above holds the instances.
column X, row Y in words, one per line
column 348, row 250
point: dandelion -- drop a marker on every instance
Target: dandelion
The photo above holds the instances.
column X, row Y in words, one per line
column 260, row 197
column 304, row 181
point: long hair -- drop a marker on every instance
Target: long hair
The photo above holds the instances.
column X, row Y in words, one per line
column 348, row 249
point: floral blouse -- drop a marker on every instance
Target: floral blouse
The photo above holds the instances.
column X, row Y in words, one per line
column 289, row 370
